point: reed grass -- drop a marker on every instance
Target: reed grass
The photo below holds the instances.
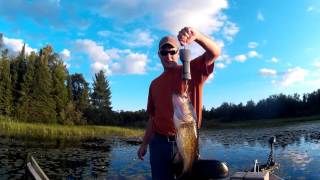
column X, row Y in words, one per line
column 12, row 128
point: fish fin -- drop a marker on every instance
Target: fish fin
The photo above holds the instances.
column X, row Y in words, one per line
column 177, row 158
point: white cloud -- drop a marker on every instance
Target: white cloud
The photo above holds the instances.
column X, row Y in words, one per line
column 15, row 45
column 310, row 8
column 253, row 45
column 274, row 60
column 204, row 15
column 225, row 58
column 65, row 54
column 104, row 33
column 210, row 78
column 230, row 30
column 317, row 64
column 96, row 52
column 196, row 50
column 241, row 58
column 157, row 67
column 220, row 43
column 112, row 61
column 97, row 66
column 244, row 57
column 141, row 38
column 260, row 16
column 253, row 54
column 267, row 72
column 220, row 65
column 113, row 53
column 132, row 63
column 81, row 34
column 300, row 158
column 67, row 64
column 292, row 76
column 313, row 9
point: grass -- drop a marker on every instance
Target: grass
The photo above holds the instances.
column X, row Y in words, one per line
column 12, row 128
column 261, row 123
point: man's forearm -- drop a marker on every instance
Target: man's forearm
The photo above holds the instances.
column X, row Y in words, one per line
column 211, row 48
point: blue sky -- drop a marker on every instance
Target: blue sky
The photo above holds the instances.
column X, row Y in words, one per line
column 268, row 46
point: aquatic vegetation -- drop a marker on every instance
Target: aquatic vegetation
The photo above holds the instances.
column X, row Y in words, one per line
column 12, row 128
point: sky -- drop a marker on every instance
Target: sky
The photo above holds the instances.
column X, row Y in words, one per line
column 268, row 46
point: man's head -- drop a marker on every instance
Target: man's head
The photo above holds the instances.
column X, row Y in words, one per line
column 168, row 52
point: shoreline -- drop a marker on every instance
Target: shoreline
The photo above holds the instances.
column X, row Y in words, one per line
column 22, row 130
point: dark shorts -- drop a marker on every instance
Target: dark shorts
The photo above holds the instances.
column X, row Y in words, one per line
column 162, row 153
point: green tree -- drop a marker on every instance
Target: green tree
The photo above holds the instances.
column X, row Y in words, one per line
column 18, row 70
column 69, row 88
column 6, row 103
column 80, row 92
column 100, row 109
column 69, row 115
column 25, row 100
column 43, row 106
column 60, row 93
column 101, row 95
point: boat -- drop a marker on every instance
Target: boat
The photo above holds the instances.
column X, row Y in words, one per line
column 33, row 170
column 204, row 169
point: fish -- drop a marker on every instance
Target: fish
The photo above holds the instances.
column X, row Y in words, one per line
column 184, row 118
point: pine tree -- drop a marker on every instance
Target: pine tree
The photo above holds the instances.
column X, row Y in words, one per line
column 25, row 100
column 101, row 93
column 18, row 70
column 60, row 93
column 42, row 106
column 101, row 110
column 6, row 103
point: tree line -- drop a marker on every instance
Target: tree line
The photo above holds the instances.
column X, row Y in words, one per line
column 274, row 107
column 37, row 87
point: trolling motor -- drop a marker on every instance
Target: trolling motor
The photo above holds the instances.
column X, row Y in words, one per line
column 185, row 59
column 264, row 171
column 271, row 165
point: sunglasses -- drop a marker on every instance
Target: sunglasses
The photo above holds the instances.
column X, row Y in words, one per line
column 166, row 52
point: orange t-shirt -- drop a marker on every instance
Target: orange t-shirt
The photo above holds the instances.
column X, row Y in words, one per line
column 160, row 106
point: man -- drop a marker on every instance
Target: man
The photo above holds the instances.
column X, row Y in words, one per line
column 160, row 131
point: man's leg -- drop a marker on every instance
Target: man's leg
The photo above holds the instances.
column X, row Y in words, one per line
column 161, row 155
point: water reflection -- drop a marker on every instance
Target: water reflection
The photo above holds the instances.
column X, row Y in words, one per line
column 297, row 150
column 285, row 135
column 80, row 160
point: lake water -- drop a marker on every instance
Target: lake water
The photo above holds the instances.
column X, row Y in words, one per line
column 297, row 151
